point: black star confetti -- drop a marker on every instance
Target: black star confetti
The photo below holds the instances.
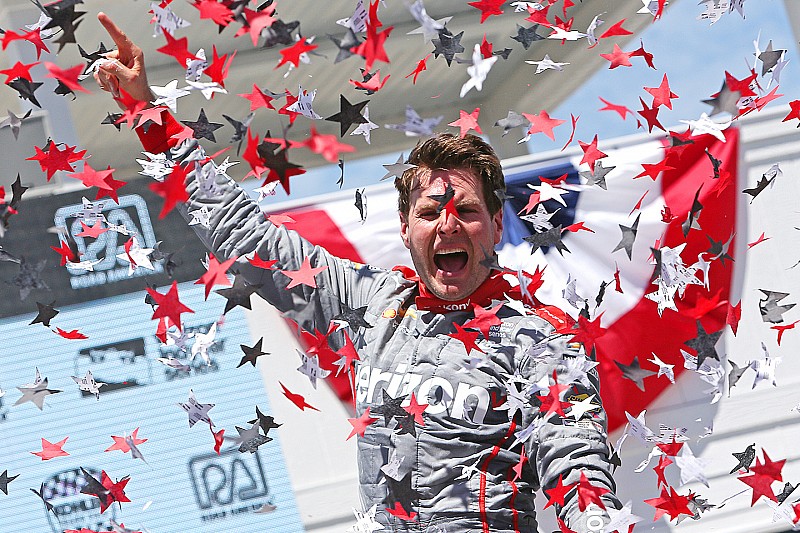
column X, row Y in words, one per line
column 251, row 354
column 202, row 128
column 348, row 114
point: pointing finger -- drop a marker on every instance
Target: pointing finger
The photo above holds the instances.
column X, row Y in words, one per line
column 123, row 42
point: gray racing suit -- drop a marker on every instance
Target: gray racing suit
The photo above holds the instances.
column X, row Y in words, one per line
column 455, row 472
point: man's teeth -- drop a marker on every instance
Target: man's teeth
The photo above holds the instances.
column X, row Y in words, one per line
column 451, row 251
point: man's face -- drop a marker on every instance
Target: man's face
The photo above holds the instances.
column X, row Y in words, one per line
column 447, row 250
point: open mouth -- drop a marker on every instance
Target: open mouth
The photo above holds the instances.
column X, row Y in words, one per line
column 452, row 262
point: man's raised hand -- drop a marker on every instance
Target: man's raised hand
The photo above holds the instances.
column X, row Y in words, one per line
column 125, row 70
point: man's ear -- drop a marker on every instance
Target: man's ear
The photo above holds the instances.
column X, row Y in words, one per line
column 497, row 223
column 404, row 229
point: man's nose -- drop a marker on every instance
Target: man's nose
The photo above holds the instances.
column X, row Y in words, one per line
column 448, row 223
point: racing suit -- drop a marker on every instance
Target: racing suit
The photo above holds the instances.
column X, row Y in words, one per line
column 458, row 469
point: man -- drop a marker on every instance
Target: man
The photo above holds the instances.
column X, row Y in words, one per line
column 470, row 390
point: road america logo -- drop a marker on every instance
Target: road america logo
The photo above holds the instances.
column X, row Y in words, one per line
column 128, row 219
column 71, row 508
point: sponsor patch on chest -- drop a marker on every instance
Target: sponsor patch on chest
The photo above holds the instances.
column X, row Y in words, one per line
column 500, row 331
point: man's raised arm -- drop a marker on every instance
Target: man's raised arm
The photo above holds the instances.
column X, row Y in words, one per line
column 321, row 282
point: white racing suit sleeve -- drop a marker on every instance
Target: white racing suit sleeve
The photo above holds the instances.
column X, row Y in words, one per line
column 238, row 227
column 563, row 446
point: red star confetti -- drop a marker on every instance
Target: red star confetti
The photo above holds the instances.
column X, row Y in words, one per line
column 91, row 231
column 794, row 112
column 116, row 491
column 423, row 65
column 761, row 101
column 590, row 153
column 19, row 70
column 589, row 494
column 168, row 305
column 296, row 399
column 360, row 424
column 33, row 36
column 652, row 171
column 578, row 226
column 759, row 240
column 618, row 58
column 172, row 189
column 484, row 319
column 216, row 274
column 781, row 329
column 66, row 253
column 256, row 22
column 218, row 69
column 251, row 155
column 650, row 114
column 660, row 468
column 257, row 262
column 304, row 275
column 292, row 53
column 290, row 99
column 131, row 108
column 733, row 316
column 556, row 494
column 72, row 335
column 488, row 8
column 647, row 56
column 69, row 77
column 615, row 30
column 371, row 49
column 219, row 438
column 152, row 114
column 467, row 121
column 54, row 159
column 671, row 503
column 662, row 95
column 258, row 99
column 121, row 444
column 111, row 188
column 178, row 49
column 326, row 145
column 761, row 485
column 347, row 355
column 466, row 337
column 93, row 178
column 771, row 469
column 543, row 123
column 415, row 409
column 588, row 332
column 373, row 84
column 551, row 403
column 51, row 450
column 574, row 120
column 402, row 514
column 621, row 110
column 215, row 11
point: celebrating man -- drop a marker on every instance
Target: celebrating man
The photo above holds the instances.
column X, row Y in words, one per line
column 478, row 395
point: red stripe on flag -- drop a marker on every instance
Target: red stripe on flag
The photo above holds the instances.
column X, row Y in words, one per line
column 317, row 227
column 640, row 332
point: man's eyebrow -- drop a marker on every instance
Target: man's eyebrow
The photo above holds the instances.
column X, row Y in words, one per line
column 425, row 203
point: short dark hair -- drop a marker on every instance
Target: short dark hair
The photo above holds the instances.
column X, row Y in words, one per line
column 449, row 151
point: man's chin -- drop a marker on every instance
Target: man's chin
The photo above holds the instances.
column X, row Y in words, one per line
column 451, row 289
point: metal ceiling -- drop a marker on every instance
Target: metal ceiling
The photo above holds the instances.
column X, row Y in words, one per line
column 511, row 85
